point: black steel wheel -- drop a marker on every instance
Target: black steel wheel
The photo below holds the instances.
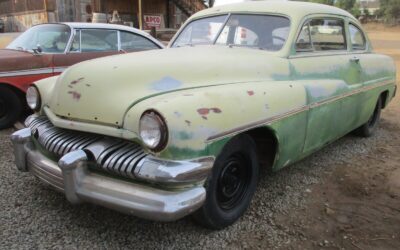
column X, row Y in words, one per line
column 368, row 129
column 231, row 185
column 233, row 182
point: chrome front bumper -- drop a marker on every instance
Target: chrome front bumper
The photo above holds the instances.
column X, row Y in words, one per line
column 72, row 176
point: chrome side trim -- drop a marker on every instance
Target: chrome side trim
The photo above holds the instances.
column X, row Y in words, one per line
column 26, row 72
column 59, row 69
column 256, row 124
column 278, row 117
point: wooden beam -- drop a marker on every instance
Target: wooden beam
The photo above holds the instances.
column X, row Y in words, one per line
column 167, row 14
column 140, row 15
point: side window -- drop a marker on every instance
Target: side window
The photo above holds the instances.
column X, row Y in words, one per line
column 328, row 34
column 97, row 40
column 76, row 43
column 357, row 38
column 303, row 42
column 134, row 42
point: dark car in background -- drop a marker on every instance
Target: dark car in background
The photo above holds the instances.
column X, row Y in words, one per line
column 48, row 49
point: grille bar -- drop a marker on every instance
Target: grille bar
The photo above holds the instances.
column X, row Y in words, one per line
column 110, row 154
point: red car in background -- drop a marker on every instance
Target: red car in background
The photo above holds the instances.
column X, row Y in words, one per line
column 48, row 49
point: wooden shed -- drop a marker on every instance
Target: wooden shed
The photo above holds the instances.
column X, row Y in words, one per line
column 22, row 14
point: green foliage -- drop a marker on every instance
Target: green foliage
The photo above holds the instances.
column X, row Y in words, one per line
column 365, row 12
column 327, row 2
column 346, row 4
column 390, row 10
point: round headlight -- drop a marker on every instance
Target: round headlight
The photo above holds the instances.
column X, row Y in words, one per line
column 153, row 130
column 33, row 98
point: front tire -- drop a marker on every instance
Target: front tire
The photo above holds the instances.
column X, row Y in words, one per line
column 10, row 107
column 368, row 129
column 231, row 185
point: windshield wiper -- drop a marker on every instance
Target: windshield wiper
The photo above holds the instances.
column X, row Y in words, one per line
column 231, row 45
column 184, row 45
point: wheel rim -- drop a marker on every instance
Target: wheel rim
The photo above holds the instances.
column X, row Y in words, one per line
column 2, row 108
column 233, row 182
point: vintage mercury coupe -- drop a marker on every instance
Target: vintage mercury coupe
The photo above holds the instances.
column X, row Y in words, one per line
column 167, row 133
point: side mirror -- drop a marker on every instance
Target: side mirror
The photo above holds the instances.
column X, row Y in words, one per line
column 38, row 50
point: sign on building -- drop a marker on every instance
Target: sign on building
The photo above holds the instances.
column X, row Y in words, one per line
column 154, row 20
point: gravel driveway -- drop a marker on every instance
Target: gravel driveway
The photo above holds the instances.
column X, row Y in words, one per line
column 34, row 216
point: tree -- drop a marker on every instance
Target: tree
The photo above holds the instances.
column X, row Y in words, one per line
column 327, row 2
column 390, row 9
column 366, row 12
column 355, row 10
column 346, row 4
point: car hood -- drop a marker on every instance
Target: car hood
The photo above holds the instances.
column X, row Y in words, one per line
column 14, row 60
column 103, row 90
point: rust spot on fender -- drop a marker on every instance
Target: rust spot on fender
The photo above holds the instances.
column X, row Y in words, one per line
column 203, row 111
column 75, row 95
column 216, row 110
column 250, row 92
column 206, row 111
column 77, row 80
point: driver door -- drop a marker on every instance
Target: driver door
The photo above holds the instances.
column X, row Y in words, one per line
column 87, row 44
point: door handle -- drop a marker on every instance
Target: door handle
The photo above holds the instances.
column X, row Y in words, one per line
column 355, row 60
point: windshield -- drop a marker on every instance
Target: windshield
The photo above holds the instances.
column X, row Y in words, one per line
column 265, row 32
column 51, row 38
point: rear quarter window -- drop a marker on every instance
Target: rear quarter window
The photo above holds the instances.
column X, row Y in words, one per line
column 328, row 34
column 322, row 34
column 357, row 38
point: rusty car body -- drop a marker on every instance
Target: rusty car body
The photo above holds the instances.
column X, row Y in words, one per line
column 185, row 130
column 48, row 49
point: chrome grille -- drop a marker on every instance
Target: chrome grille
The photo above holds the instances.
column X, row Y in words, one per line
column 110, row 154
column 59, row 141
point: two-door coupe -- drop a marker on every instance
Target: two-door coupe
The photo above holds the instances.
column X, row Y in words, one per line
column 167, row 133
column 48, row 49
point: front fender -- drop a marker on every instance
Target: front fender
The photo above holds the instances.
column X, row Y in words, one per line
column 199, row 117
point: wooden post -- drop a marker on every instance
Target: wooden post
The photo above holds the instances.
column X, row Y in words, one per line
column 167, row 14
column 140, row 15
column 45, row 9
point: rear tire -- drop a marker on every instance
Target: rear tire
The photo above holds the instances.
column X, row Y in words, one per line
column 10, row 107
column 231, row 185
column 370, row 126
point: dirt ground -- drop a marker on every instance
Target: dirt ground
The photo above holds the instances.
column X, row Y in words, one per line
column 357, row 206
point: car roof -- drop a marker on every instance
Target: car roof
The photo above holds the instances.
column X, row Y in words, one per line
column 293, row 9
column 80, row 25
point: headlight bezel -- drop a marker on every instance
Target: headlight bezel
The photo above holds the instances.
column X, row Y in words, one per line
column 163, row 129
column 33, row 90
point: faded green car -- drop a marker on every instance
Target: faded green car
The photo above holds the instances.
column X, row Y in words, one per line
column 164, row 134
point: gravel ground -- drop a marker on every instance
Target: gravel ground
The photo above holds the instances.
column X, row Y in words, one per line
column 34, row 216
